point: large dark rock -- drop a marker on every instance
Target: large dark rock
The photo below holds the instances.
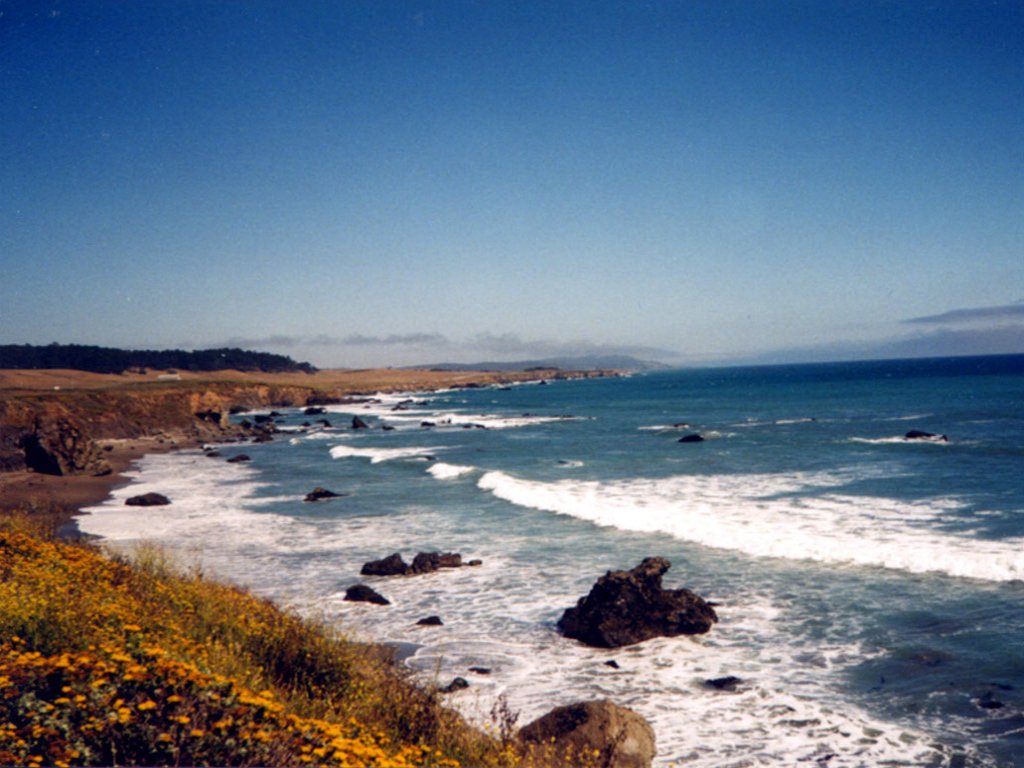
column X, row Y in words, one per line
column 360, row 593
column 392, row 565
column 147, row 500
column 571, row 735
column 627, row 607
column 694, row 438
column 424, row 562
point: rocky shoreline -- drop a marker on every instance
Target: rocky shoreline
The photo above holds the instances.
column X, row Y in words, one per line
column 67, row 437
column 62, row 450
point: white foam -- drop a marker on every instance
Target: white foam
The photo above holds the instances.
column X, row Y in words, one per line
column 774, row 516
column 495, row 616
column 443, row 471
column 900, row 440
column 378, row 455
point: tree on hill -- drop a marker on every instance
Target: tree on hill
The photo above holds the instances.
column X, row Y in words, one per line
column 110, row 360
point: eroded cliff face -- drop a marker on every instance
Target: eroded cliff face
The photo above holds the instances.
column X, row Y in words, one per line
column 57, row 432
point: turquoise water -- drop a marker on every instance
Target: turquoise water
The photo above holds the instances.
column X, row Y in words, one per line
column 870, row 588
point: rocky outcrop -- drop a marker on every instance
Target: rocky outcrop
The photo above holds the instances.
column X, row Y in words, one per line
column 424, row 562
column 628, row 607
column 360, row 593
column 57, row 432
column 571, row 735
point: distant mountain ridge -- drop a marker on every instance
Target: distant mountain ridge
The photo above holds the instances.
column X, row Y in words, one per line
column 577, row 363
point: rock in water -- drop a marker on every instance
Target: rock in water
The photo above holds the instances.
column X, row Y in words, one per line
column 694, row 438
column 358, row 423
column 319, row 493
column 627, row 607
column 917, row 434
column 360, row 593
column 458, row 684
column 392, row 565
column 570, row 735
column 427, row 562
column 148, row 500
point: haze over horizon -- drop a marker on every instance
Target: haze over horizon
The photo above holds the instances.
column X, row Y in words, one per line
column 393, row 183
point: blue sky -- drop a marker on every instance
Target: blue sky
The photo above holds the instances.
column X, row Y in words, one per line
column 389, row 183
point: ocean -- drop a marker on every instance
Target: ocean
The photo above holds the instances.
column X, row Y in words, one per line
column 870, row 588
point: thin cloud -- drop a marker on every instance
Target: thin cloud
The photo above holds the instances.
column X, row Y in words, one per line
column 511, row 345
column 1004, row 312
column 400, row 339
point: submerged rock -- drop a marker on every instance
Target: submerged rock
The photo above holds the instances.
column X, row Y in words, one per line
column 628, row 607
column 148, row 500
column 727, row 683
column 571, row 735
column 694, row 438
column 917, row 434
column 318, row 494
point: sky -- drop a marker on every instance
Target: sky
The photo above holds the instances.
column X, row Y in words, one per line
column 394, row 183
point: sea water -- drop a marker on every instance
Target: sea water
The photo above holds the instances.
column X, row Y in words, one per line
column 870, row 588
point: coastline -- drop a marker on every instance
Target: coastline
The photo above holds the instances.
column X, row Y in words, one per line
column 60, row 498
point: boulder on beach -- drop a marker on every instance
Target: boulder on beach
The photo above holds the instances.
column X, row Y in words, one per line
column 147, row 500
column 319, row 493
column 360, row 593
column 628, row 607
column 571, row 735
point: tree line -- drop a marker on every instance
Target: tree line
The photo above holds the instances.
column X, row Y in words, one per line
column 83, row 357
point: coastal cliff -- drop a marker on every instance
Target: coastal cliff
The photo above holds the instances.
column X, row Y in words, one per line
column 55, row 422
column 59, row 432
